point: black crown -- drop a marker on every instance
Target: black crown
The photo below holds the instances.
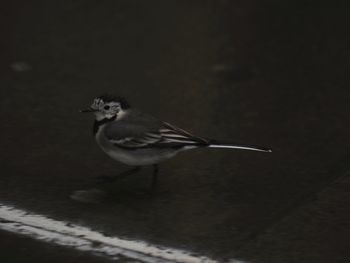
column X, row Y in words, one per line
column 108, row 98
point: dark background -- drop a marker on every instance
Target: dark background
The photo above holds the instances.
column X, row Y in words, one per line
column 272, row 73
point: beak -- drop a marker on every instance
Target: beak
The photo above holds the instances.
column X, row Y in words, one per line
column 87, row 110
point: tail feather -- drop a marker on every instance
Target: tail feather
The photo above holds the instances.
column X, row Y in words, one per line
column 218, row 144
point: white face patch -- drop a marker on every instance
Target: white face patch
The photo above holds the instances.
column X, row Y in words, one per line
column 107, row 110
column 121, row 114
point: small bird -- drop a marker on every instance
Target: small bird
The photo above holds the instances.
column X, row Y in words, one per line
column 138, row 139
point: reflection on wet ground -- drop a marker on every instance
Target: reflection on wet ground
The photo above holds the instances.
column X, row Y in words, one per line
column 270, row 74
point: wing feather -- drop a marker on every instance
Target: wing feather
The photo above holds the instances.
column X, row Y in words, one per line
column 132, row 135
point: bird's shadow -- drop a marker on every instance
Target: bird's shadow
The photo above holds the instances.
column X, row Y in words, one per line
column 103, row 196
column 129, row 189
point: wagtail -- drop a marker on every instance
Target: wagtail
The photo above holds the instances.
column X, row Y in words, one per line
column 138, row 139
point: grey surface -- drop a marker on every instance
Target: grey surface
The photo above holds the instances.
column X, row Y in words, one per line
column 271, row 73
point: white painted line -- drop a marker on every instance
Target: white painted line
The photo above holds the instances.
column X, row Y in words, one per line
column 83, row 238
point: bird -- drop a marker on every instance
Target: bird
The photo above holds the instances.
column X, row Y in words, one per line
column 139, row 139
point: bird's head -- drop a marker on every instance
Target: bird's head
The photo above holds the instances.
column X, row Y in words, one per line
column 108, row 107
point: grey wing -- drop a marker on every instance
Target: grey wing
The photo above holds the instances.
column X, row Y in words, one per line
column 130, row 135
column 178, row 137
column 160, row 135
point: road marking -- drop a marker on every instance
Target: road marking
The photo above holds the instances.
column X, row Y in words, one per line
column 83, row 238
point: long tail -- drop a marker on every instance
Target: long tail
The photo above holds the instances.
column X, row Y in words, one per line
column 218, row 144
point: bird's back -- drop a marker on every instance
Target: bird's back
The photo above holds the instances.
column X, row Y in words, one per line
column 133, row 124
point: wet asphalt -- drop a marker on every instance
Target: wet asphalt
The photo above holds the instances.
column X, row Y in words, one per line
column 272, row 74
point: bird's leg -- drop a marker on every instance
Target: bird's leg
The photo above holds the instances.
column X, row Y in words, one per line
column 109, row 179
column 154, row 176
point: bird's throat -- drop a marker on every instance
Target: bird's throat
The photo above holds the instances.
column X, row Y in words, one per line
column 99, row 123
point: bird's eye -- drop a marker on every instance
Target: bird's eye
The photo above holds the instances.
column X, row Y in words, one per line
column 106, row 107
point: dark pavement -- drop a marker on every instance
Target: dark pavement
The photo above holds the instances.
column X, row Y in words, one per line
column 272, row 74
